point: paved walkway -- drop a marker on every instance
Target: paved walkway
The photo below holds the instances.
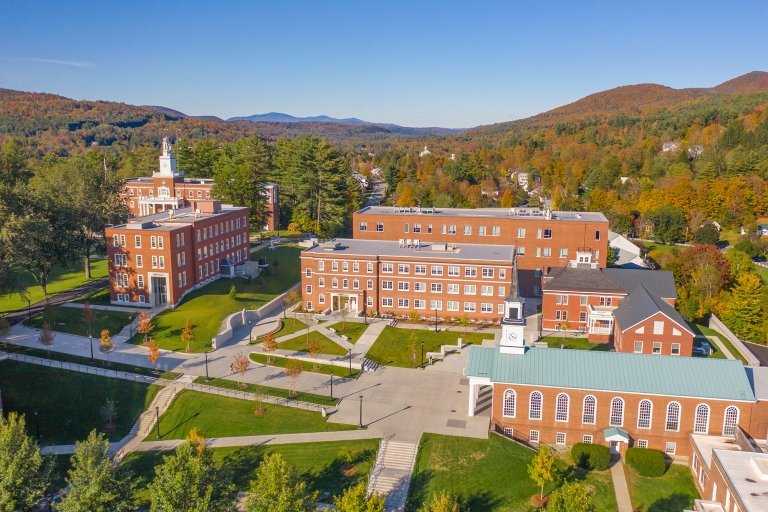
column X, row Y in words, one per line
column 624, row 504
column 55, row 300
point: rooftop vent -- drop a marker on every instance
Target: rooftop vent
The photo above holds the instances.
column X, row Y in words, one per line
column 330, row 246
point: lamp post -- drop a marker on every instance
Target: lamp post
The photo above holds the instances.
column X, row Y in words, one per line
column 331, row 384
column 360, row 423
column 435, row 319
column 157, row 422
column 90, row 343
column 350, row 363
column 131, row 318
column 206, row 366
column 422, row 355
column 37, row 426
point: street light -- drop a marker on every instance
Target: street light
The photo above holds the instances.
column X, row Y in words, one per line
column 435, row 319
column 360, row 423
column 350, row 363
column 206, row 366
column 90, row 343
column 131, row 318
column 157, row 421
column 331, row 387
column 422, row 355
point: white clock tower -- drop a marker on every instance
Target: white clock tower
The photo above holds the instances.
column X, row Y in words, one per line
column 513, row 323
column 167, row 162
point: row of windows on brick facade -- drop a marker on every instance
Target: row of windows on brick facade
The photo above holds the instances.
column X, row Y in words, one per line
column 451, row 229
column 219, row 247
column 561, row 438
column 121, row 280
column 121, row 260
column 418, row 269
column 179, row 193
column 561, row 299
column 223, row 227
column 155, row 242
column 419, row 304
column 419, row 287
column 616, row 416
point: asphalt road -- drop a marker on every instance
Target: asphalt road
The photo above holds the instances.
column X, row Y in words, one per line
column 759, row 351
column 15, row 317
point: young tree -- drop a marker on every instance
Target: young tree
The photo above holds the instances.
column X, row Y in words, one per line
column 5, row 326
column 293, row 368
column 443, row 502
column 46, row 337
column 313, row 349
column 289, row 300
column 240, row 365
column 412, row 346
column 233, row 292
column 108, row 413
column 153, row 353
column 270, row 345
column 95, row 483
column 105, row 343
column 89, row 316
column 355, row 499
column 279, row 488
column 188, row 480
column 188, row 334
column 571, row 497
column 24, row 475
column 464, row 321
column 542, row 468
column 145, row 325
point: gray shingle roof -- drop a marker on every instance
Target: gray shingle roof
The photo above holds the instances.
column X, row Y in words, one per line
column 612, row 280
column 659, row 282
column 642, row 304
column 673, row 376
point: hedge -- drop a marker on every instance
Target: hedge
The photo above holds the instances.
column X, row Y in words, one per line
column 591, row 456
column 646, row 461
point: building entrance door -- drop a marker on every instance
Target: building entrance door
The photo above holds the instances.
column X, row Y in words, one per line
column 615, row 448
column 160, row 290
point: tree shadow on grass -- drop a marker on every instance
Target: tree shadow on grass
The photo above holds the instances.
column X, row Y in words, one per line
column 165, row 431
column 672, row 503
column 417, row 493
column 241, row 465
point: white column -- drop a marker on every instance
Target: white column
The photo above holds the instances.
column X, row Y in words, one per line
column 473, row 392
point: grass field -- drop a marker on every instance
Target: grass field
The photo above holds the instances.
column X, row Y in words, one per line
column 70, row 320
column 100, row 297
column 762, row 272
column 68, row 403
column 60, row 280
column 706, row 331
column 326, row 369
column 288, row 326
column 575, row 344
column 267, row 390
column 488, row 474
column 651, row 246
column 207, row 307
column 673, row 492
column 352, row 330
column 391, row 348
column 219, row 416
column 299, row 344
column 319, row 465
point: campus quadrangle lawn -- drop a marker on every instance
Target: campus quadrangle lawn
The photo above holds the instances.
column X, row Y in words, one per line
column 207, row 307
column 68, row 403
column 318, row 464
column 488, row 474
column 287, row 326
column 391, row 348
column 220, row 416
column 352, row 330
column 672, row 492
column 70, row 320
column 60, row 280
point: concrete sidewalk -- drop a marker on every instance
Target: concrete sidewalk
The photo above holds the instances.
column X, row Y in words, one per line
column 623, row 502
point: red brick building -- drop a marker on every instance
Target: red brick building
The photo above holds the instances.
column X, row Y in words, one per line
column 156, row 259
column 168, row 189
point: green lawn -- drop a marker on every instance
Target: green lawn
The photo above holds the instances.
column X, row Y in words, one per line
column 68, row 403
column 100, row 297
column 488, row 474
column 326, row 369
column 352, row 330
column 762, row 272
column 70, row 320
column 391, row 348
column 327, row 346
column 706, row 331
column 219, row 416
column 60, row 280
column 650, row 246
column 575, row 343
column 319, row 464
column 267, row 390
column 287, row 326
column 207, row 307
column 98, row 362
column 673, row 492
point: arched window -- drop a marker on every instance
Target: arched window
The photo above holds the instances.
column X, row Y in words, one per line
column 534, row 408
column 561, row 407
column 673, row 417
column 701, row 422
column 617, row 412
column 644, row 411
column 730, row 420
column 510, row 399
column 588, row 412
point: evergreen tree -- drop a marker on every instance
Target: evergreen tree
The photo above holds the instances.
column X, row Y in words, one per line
column 279, row 488
column 95, row 483
column 744, row 308
column 23, row 472
column 240, row 175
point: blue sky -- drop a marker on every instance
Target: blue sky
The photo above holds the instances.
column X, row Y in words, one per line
column 430, row 63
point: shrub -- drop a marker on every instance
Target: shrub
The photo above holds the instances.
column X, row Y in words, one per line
column 647, row 462
column 591, row 456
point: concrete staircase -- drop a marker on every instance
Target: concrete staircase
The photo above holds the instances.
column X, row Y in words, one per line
column 391, row 474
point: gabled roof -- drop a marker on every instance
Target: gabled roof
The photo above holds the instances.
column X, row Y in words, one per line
column 658, row 282
column 641, row 305
column 646, row 374
column 611, row 280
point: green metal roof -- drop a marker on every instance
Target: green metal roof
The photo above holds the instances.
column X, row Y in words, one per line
column 614, row 371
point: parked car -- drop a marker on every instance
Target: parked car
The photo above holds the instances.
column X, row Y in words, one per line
column 703, row 349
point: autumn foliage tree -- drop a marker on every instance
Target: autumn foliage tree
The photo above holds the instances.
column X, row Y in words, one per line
column 542, row 468
column 240, row 365
column 46, row 337
column 105, row 343
column 145, row 325
column 153, row 352
column 188, row 334
column 293, row 367
column 269, row 345
column 89, row 316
